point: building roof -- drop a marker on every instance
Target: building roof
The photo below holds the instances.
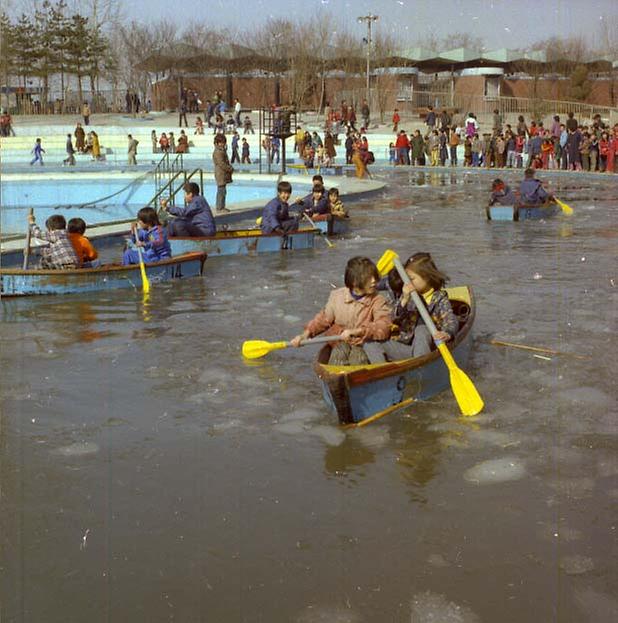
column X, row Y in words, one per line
column 232, row 58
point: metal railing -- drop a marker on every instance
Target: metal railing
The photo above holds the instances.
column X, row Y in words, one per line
column 408, row 99
column 166, row 169
column 170, row 190
column 483, row 104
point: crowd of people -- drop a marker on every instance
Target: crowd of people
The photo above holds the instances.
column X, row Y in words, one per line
column 166, row 143
column 312, row 150
column 564, row 145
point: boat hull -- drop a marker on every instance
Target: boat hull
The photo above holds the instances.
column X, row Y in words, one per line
column 225, row 242
column 368, row 390
column 521, row 212
column 16, row 282
column 244, row 242
column 332, row 225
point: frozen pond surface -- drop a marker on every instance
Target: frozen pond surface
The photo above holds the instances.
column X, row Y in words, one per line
column 148, row 474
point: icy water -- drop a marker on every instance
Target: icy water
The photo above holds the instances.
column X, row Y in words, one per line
column 149, row 474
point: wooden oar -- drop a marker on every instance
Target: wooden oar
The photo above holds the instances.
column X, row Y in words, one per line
column 254, row 349
column 467, row 396
column 537, row 349
column 28, row 239
column 323, row 234
column 566, row 209
column 142, row 267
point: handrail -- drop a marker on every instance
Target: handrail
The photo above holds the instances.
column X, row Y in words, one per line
column 201, row 172
column 164, row 167
column 506, row 104
column 169, row 184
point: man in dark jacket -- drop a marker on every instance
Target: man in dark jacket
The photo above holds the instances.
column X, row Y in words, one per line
column 194, row 219
column 365, row 114
column 531, row 191
column 223, row 171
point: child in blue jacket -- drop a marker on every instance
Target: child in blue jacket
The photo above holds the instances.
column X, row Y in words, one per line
column 316, row 202
column 151, row 237
column 276, row 216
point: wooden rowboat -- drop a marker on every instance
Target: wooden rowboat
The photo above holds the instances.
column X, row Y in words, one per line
column 521, row 212
column 17, row 282
column 332, row 225
column 224, row 242
column 244, row 242
column 356, row 393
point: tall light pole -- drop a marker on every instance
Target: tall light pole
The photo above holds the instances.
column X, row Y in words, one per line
column 370, row 18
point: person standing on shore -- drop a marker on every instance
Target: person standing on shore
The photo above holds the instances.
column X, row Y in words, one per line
column 237, row 110
column 132, row 152
column 80, row 138
column 86, row 113
column 70, row 159
column 38, row 152
column 365, row 114
column 182, row 113
column 223, row 171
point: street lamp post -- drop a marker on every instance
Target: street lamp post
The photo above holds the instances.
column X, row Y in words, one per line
column 369, row 19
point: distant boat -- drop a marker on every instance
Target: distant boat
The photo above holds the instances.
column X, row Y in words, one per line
column 521, row 212
column 18, row 282
column 356, row 393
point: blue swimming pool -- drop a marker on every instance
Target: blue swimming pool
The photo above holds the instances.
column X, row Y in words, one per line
column 98, row 199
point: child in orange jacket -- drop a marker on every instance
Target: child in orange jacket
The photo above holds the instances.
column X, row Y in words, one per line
column 87, row 254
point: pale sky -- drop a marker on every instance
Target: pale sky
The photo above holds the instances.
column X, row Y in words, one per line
column 502, row 23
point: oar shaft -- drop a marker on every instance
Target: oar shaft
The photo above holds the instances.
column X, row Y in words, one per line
column 28, row 239
column 536, row 349
column 311, row 221
column 321, row 339
column 422, row 310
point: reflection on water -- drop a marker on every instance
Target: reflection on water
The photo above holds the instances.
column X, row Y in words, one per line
column 149, row 473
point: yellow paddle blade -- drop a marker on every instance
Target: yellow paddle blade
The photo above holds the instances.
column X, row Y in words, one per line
column 145, row 282
column 258, row 220
column 566, row 209
column 254, row 349
column 387, row 262
column 467, row 396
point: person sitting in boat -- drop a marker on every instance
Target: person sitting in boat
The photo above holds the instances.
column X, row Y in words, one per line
column 59, row 254
column 414, row 339
column 194, row 219
column 531, row 190
column 276, row 217
column 501, row 193
column 316, row 202
column 86, row 253
column 356, row 312
column 151, row 236
column 335, row 205
column 390, row 287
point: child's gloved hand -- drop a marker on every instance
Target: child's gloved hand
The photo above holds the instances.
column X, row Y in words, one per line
column 295, row 341
column 441, row 336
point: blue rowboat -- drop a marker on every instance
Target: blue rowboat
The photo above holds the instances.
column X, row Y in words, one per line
column 17, row 282
column 224, row 242
column 244, row 242
column 355, row 393
column 332, row 225
column 521, row 212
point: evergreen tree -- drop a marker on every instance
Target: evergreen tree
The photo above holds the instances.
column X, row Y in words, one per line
column 45, row 48
column 96, row 55
column 60, row 30
column 77, row 50
column 7, row 53
column 24, row 52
